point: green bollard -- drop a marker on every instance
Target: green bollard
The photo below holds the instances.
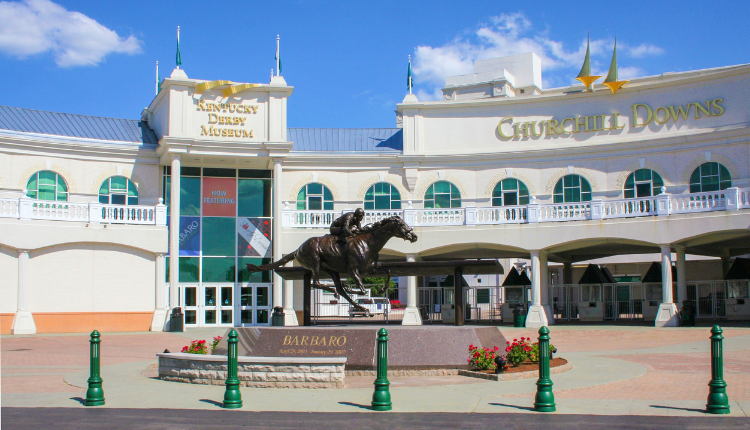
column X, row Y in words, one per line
column 718, row 402
column 381, row 398
column 545, row 399
column 232, row 396
column 95, row 393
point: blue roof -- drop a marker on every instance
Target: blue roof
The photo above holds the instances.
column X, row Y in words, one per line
column 346, row 139
column 84, row 126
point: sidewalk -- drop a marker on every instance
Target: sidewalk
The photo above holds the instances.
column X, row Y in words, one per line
column 616, row 371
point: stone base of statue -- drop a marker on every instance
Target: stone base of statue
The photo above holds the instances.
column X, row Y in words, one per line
column 667, row 316
column 421, row 347
column 536, row 317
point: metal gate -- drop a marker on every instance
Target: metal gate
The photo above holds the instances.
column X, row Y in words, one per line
column 565, row 300
column 708, row 298
column 483, row 303
column 431, row 300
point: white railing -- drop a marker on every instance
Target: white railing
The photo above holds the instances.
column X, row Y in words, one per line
column 26, row 208
column 501, row 215
column 627, row 208
column 428, row 217
column 662, row 204
column 698, row 202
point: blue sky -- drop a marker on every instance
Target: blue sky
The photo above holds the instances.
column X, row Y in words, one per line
column 347, row 60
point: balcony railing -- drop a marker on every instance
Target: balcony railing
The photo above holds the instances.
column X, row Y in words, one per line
column 28, row 209
column 663, row 204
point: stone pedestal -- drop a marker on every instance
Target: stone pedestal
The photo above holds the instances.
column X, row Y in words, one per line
column 411, row 316
column 667, row 316
column 159, row 320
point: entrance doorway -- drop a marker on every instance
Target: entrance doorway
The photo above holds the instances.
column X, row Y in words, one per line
column 226, row 304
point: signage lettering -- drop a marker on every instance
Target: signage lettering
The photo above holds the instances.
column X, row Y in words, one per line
column 214, row 109
column 314, row 340
column 507, row 129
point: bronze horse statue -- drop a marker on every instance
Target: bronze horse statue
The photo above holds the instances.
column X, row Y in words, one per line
column 358, row 256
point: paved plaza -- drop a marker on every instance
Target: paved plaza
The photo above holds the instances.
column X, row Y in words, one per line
column 636, row 371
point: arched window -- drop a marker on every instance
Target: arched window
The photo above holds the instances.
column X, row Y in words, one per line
column 643, row 183
column 382, row 196
column 710, row 177
column 315, row 197
column 47, row 185
column 442, row 194
column 510, row 192
column 118, row 190
column 572, row 189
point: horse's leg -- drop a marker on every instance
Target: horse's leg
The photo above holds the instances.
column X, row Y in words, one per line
column 354, row 273
column 337, row 280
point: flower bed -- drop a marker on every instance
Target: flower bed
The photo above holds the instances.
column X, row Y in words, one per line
column 523, row 371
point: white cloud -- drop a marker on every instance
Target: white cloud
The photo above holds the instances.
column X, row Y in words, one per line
column 34, row 27
column 511, row 34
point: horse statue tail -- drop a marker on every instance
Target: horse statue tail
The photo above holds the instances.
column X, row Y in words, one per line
column 252, row 268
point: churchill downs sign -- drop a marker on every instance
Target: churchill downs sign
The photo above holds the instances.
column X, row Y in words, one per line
column 642, row 115
column 226, row 114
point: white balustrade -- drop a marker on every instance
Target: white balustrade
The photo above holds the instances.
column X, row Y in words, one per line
column 627, row 208
column 427, row 217
column 563, row 212
column 8, row 208
column 373, row 216
column 309, row 219
column 730, row 199
column 26, row 208
column 501, row 215
column 697, row 202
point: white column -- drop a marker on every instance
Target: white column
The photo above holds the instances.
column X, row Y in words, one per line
column 278, row 282
column 174, row 232
column 411, row 313
column 681, row 275
column 159, row 321
column 290, row 316
column 23, row 321
column 544, row 278
column 666, row 316
column 536, row 316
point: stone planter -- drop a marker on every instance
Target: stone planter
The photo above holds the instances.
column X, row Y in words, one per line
column 265, row 372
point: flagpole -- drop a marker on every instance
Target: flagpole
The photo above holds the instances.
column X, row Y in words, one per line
column 178, row 45
column 410, row 82
column 278, row 56
column 156, row 86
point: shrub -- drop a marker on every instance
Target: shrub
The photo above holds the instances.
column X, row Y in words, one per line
column 396, row 304
column 216, row 341
column 518, row 351
column 482, row 358
column 196, row 347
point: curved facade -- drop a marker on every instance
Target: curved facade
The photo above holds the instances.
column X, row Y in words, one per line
column 657, row 170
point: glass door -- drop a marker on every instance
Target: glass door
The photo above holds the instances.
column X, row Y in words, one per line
column 210, row 306
column 244, row 310
column 253, row 307
column 262, row 304
column 190, row 292
column 226, row 308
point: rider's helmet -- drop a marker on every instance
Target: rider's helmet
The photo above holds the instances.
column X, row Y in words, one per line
column 359, row 213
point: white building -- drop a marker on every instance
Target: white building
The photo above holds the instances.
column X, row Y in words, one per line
column 501, row 168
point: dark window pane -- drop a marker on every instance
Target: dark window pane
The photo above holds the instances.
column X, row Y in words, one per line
column 219, row 173
column 497, row 201
column 642, row 175
column 395, row 204
column 190, row 317
column 315, row 203
column 245, row 276
column 210, row 317
column 226, row 316
column 190, row 171
column 190, row 196
column 210, row 296
column 219, row 236
column 511, row 199
column 442, row 201
column 246, row 316
column 262, row 296
column 383, row 202
column 559, row 187
column 190, row 296
column 328, row 206
column 220, row 269
column 260, row 174
column 442, row 187
column 254, row 198
column 226, row 296
column 246, row 296
column 327, row 194
column 314, row 188
column 188, row 269
column 643, row 190
column 118, row 199
column 262, row 316
column 104, row 199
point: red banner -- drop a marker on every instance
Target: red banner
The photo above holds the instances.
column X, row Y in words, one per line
column 219, row 197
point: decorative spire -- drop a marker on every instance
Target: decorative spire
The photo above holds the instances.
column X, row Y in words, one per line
column 178, row 57
column 409, row 77
column 611, row 80
column 157, row 78
column 585, row 76
column 278, row 57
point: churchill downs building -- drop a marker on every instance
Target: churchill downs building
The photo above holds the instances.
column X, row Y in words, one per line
column 635, row 177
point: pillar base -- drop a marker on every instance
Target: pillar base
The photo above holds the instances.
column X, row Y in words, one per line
column 550, row 315
column 290, row 318
column 411, row 316
column 159, row 320
column 667, row 316
column 536, row 317
column 23, row 323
